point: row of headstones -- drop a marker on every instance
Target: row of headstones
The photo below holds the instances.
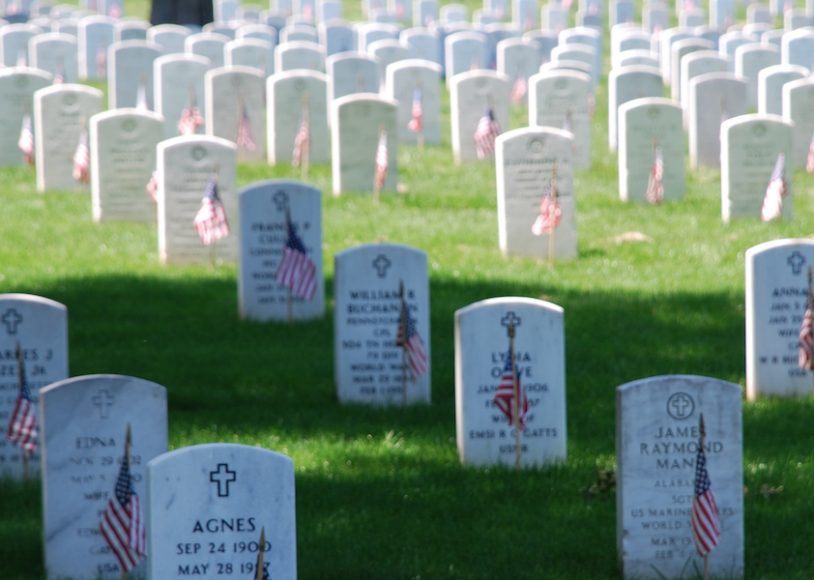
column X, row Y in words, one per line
column 204, row 497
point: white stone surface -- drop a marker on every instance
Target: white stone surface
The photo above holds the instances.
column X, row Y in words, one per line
column 682, row 49
column 130, row 67
column 657, row 438
column 17, row 88
column 263, row 236
column 95, row 36
column 484, row 434
column 798, row 109
column 525, row 162
column 750, row 145
column 251, row 52
column 207, row 506
column 123, row 157
column 464, row 51
column 56, row 54
column 185, row 167
column 770, row 86
column 209, row 45
column 40, row 326
column 14, row 41
column 84, row 424
column 170, row 37
column 178, row 78
column 232, row 92
column 776, row 299
column 288, row 96
column 61, row 114
column 696, row 64
column 797, row 47
column 368, row 366
column 299, row 55
column 750, row 59
column 626, row 84
column 357, row 122
column 350, row 73
column 645, row 124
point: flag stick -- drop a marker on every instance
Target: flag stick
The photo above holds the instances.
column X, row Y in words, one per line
column 20, row 383
column 128, row 443
column 261, row 553
column 518, row 454
column 306, row 154
column 552, row 235
column 703, row 434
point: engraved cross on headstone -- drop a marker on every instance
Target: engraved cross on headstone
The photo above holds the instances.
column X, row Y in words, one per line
column 681, row 405
column 104, row 401
column 223, row 477
column 381, row 263
column 12, row 319
column 510, row 319
column 796, row 261
column 280, row 200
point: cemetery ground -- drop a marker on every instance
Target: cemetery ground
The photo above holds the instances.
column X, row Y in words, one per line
column 380, row 492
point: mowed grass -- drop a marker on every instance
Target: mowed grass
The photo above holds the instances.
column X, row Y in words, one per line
column 380, row 492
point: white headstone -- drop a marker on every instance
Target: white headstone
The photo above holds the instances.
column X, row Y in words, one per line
column 411, row 81
column 370, row 367
column 350, row 73
column 705, row 118
column 770, row 86
column 14, row 41
column 797, row 47
column 776, row 299
column 626, row 84
column 85, row 421
column 95, row 36
column 56, row 54
column 696, row 64
column 17, row 88
column 464, row 51
column 170, row 37
column 657, row 436
column 486, row 433
column 179, row 83
column 359, row 122
column 647, row 128
column 682, row 49
column 209, row 45
column 130, row 66
column 61, row 115
column 186, row 166
column 264, row 207
column 40, row 327
column 299, row 55
column 123, row 144
column 251, row 52
column 750, row 145
column 291, row 97
column 750, row 59
column 798, row 109
column 208, row 505
column 236, row 109
column 530, row 163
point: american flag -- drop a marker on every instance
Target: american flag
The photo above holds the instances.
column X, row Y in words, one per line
column 655, row 183
column 245, row 140
column 381, row 161
column 485, row 134
column 101, row 63
column 775, row 191
column 22, row 426
column 519, row 89
column 416, row 124
column 190, row 118
column 22, row 58
column 806, row 354
column 504, row 397
column 297, row 271
column 26, row 140
column 704, row 515
column 550, row 212
column 810, row 159
column 407, row 338
column 302, row 141
column 210, row 222
column 152, row 187
column 59, row 77
column 81, row 159
column 122, row 524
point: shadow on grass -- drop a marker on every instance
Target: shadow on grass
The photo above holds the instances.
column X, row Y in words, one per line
column 380, row 493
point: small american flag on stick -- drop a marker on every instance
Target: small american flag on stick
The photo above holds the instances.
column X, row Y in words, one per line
column 190, row 118
column 245, row 139
column 806, row 358
column 152, row 187
column 775, row 191
column 550, row 212
column 101, row 63
column 409, row 340
column 302, row 140
column 519, row 89
column 210, row 222
column 22, row 426
column 297, row 270
column 381, row 162
column 704, row 515
column 81, row 159
column 122, row 524
column 655, row 183
column 26, row 140
column 507, row 389
column 416, row 124
column 810, row 158
column 485, row 134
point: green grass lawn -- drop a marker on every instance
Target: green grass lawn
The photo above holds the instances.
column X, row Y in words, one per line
column 380, row 492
